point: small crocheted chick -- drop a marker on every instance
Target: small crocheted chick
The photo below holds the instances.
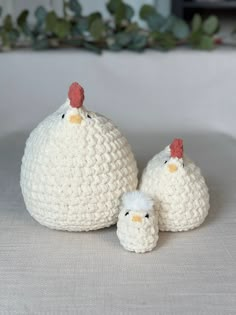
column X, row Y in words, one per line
column 75, row 168
column 137, row 227
column 179, row 190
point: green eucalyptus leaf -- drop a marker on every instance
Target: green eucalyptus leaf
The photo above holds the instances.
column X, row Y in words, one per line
column 210, row 25
column 7, row 23
column 180, row 29
column 163, row 41
column 22, row 18
column 5, row 40
column 196, row 22
column 97, row 29
column 123, row 39
column 129, row 12
column 155, row 22
column 51, row 20
column 139, row 42
column 120, row 14
column 121, row 11
column 168, row 24
column 94, row 16
column 75, row 7
column 206, row 42
column 40, row 14
column 62, row 28
column 195, row 39
column 113, row 5
column 146, row 11
column 9, row 38
column 22, row 22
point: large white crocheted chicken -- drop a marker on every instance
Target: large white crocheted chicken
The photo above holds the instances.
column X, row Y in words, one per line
column 178, row 189
column 137, row 226
column 75, row 167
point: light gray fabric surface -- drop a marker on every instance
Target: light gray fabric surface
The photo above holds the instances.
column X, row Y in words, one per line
column 153, row 98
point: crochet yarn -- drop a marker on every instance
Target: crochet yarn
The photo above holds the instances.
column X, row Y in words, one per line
column 137, row 226
column 179, row 190
column 75, row 167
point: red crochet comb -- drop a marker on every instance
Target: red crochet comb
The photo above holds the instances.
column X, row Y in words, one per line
column 177, row 149
column 76, row 95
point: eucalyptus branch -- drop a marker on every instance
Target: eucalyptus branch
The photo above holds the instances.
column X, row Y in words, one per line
column 119, row 32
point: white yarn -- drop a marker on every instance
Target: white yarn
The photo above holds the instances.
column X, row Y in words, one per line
column 138, row 236
column 137, row 201
column 73, row 175
column 181, row 198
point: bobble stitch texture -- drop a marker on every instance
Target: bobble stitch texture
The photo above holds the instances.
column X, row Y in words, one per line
column 181, row 198
column 137, row 226
column 72, row 176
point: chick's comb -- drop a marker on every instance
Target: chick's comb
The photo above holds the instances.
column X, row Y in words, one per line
column 76, row 95
column 176, row 148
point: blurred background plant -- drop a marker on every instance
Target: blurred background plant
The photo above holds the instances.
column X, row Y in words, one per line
column 93, row 32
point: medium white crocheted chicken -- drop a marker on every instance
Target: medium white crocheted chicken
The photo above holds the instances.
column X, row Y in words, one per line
column 178, row 189
column 137, row 226
column 75, row 167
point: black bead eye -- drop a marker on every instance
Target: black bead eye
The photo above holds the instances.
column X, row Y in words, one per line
column 147, row 216
column 127, row 213
column 63, row 116
column 165, row 162
column 89, row 116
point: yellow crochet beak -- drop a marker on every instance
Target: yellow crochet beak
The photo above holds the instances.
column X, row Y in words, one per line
column 172, row 168
column 75, row 119
column 136, row 218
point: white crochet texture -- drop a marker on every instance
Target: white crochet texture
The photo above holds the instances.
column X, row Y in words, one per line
column 137, row 227
column 73, row 175
column 181, row 197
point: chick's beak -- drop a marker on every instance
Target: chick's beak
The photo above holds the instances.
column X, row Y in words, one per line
column 136, row 218
column 172, row 168
column 75, row 119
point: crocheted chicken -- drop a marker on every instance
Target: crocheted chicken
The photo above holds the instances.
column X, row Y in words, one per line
column 137, row 226
column 178, row 189
column 75, row 167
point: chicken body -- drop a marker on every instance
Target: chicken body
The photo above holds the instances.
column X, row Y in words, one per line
column 137, row 226
column 75, row 167
column 179, row 191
